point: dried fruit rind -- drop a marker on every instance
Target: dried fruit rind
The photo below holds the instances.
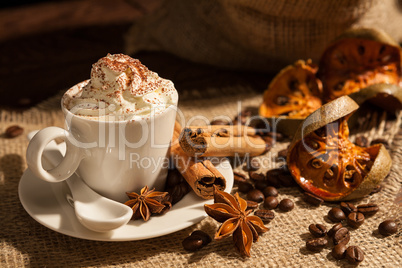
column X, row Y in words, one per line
column 380, row 169
column 285, row 125
column 325, row 163
column 328, row 113
column 294, row 92
column 359, row 58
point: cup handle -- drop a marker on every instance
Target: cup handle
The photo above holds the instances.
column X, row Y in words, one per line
column 66, row 167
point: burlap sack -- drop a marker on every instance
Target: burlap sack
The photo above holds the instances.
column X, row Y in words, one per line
column 256, row 34
column 26, row 243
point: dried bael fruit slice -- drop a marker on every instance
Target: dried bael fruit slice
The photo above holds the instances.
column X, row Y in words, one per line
column 325, row 163
column 295, row 92
column 359, row 58
column 385, row 96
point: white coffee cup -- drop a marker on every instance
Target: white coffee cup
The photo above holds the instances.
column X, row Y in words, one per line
column 112, row 157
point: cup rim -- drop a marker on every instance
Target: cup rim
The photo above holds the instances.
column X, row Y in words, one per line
column 97, row 119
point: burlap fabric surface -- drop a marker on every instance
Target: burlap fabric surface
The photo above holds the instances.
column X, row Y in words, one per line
column 257, row 34
column 24, row 242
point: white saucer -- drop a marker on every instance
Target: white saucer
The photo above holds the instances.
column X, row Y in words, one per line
column 47, row 204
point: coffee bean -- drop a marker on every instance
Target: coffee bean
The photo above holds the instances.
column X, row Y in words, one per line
column 286, row 179
column 260, row 124
column 265, row 215
column 354, row 255
column 219, row 122
column 280, row 177
column 361, row 141
column 246, row 112
column 368, row 209
column 355, row 219
column 177, row 192
column 283, row 153
column 334, row 229
column 173, row 178
column 388, row 227
column 286, row 205
column 269, row 142
column 339, row 251
column 376, row 189
column 251, row 205
column 277, row 136
column 268, row 148
column 316, row 244
column 270, row 191
column 253, row 164
column 193, row 243
column 347, row 208
column 242, row 117
column 256, row 175
column 206, row 239
column 255, row 195
column 317, row 230
column 272, row 177
column 380, row 141
column 14, row 131
column 261, row 185
column 336, row 215
column 238, row 177
column 271, row 202
column 312, row 199
column 341, row 236
column 245, row 187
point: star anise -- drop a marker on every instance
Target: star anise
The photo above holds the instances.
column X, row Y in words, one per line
column 231, row 211
column 148, row 202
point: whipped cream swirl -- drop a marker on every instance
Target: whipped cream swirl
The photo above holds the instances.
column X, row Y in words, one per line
column 120, row 88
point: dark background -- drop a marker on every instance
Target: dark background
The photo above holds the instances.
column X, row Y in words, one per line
column 48, row 46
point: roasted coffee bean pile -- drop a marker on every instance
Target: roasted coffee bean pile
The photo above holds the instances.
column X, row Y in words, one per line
column 262, row 188
column 354, row 216
column 340, row 237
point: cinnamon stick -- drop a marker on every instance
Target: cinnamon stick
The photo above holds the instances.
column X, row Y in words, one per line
column 203, row 144
column 201, row 175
